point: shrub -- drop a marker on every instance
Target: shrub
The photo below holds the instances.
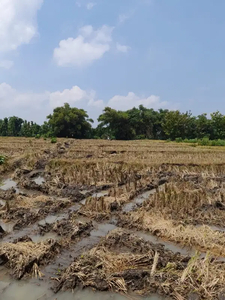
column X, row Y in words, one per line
column 140, row 137
column 53, row 140
column 179, row 140
column 37, row 136
column 2, row 159
column 204, row 142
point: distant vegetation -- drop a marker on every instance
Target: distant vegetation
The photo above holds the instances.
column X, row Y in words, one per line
column 136, row 123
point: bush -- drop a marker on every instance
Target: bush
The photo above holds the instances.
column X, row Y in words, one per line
column 140, row 137
column 179, row 140
column 2, row 159
column 53, row 140
column 201, row 142
column 204, row 142
column 37, row 136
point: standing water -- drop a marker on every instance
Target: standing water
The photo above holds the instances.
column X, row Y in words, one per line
column 8, row 184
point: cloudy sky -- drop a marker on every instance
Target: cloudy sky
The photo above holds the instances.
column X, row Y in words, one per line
column 120, row 53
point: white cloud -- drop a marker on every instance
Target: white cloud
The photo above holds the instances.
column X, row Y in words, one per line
column 90, row 5
column 36, row 106
column 73, row 96
column 6, row 64
column 126, row 16
column 78, row 4
column 18, row 23
column 11, row 99
column 88, row 46
column 132, row 100
column 122, row 48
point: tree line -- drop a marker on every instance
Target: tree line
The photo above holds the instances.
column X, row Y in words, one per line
column 136, row 123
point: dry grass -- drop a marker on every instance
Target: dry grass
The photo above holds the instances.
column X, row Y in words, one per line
column 30, row 202
column 202, row 238
column 190, row 202
column 194, row 194
column 25, row 257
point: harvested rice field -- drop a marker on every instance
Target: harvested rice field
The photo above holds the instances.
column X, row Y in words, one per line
column 97, row 219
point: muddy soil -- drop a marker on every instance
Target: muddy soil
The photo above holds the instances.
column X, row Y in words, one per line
column 57, row 239
column 122, row 262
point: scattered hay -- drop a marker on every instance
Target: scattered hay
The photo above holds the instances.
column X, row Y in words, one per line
column 163, row 272
column 26, row 257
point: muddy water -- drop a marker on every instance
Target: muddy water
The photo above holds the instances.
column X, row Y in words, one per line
column 140, row 199
column 39, row 180
column 217, row 228
column 102, row 230
column 51, row 219
column 8, row 184
column 37, row 238
column 33, row 228
column 96, row 195
column 15, row 290
column 168, row 245
column 7, row 227
column 2, row 202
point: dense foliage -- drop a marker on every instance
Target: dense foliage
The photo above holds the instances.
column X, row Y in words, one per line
column 136, row 123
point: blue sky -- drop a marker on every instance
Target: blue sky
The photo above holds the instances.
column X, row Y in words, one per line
column 121, row 53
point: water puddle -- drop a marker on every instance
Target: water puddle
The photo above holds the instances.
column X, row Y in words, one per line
column 96, row 195
column 39, row 180
column 168, row 245
column 140, row 199
column 31, row 230
column 8, row 184
column 217, row 228
column 19, row 290
column 100, row 194
column 2, row 202
column 74, row 208
column 84, row 192
column 102, row 230
column 41, row 238
column 7, row 227
column 51, row 219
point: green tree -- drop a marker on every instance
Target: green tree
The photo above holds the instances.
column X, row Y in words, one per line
column 117, row 124
column 14, row 126
column 177, row 124
column 70, row 122
column 4, row 127
column 203, row 126
column 218, row 125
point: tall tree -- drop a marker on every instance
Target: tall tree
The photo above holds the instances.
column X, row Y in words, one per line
column 14, row 126
column 177, row 124
column 218, row 125
column 118, row 123
column 70, row 122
